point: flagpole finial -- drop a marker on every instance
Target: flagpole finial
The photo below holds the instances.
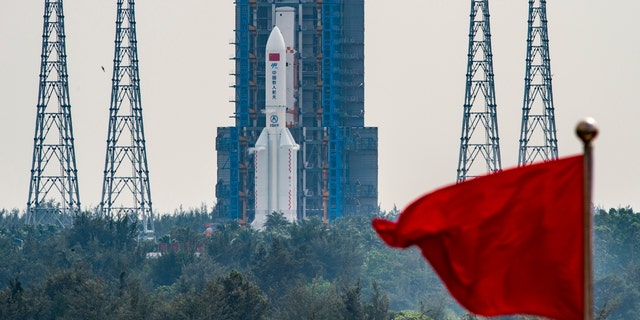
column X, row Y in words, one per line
column 587, row 130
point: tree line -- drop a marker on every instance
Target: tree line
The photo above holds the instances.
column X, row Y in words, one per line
column 99, row 269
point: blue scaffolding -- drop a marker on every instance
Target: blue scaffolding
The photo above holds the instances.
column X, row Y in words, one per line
column 336, row 176
column 330, row 106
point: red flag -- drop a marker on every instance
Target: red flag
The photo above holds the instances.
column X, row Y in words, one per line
column 505, row 243
column 274, row 57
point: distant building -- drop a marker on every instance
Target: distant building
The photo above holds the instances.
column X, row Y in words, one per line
column 338, row 157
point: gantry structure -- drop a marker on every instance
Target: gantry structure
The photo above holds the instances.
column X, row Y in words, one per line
column 125, row 189
column 53, row 190
column 338, row 157
column 479, row 123
column 538, row 141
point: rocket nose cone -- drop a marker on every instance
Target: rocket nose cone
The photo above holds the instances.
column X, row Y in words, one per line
column 276, row 40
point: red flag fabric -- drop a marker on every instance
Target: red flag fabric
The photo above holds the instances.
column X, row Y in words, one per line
column 506, row 243
column 274, row 57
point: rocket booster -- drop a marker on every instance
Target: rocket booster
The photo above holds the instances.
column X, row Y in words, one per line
column 275, row 152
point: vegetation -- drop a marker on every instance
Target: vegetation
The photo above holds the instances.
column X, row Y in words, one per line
column 98, row 269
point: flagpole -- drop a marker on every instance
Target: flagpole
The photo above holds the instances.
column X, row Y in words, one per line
column 587, row 130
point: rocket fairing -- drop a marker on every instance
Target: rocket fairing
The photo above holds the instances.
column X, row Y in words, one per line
column 275, row 152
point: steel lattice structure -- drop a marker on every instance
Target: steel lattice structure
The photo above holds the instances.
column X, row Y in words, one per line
column 53, row 189
column 126, row 175
column 338, row 158
column 479, row 102
column 538, row 132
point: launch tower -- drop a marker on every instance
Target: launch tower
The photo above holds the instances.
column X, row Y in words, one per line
column 53, row 188
column 479, row 122
column 338, row 158
column 538, row 140
column 125, row 188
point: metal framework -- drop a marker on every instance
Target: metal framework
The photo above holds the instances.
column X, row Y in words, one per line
column 337, row 161
column 538, row 140
column 53, row 189
column 331, row 108
column 479, row 102
column 125, row 187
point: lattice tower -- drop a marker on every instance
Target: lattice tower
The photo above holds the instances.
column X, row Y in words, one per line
column 53, row 189
column 126, row 175
column 538, row 140
column 479, row 123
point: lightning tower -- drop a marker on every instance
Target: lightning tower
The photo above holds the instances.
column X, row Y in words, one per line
column 125, row 187
column 479, row 122
column 53, row 188
column 538, row 140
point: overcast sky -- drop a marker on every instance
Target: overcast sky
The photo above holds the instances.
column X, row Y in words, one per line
column 416, row 56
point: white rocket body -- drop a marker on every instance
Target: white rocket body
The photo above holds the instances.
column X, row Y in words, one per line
column 275, row 152
column 285, row 18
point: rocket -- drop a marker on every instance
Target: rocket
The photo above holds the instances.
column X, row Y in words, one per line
column 275, row 152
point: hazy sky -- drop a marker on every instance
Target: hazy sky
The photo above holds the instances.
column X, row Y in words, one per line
column 416, row 56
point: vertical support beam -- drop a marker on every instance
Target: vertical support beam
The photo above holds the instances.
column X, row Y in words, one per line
column 125, row 187
column 243, row 68
column 244, row 108
column 330, row 106
column 234, row 171
column 53, row 189
column 479, row 123
column 538, row 140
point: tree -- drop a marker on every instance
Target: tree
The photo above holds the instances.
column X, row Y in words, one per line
column 352, row 304
column 275, row 267
column 232, row 246
column 409, row 315
column 132, row 302
column 245, row 299
column 276, row 223
column 317, row 300
column 378, row 306
column 167, row 268
column 74, row 293
column 13, row 303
